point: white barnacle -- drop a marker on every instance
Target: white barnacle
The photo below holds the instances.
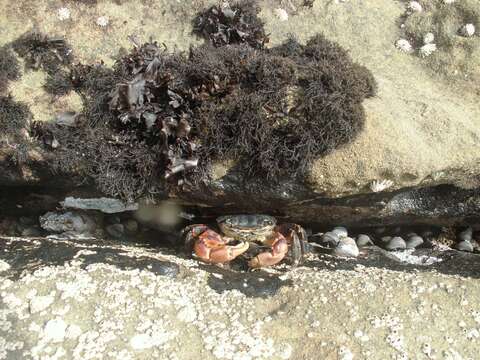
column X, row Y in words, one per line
column 414, row 6
column 102, row 21
column 63, row 13
column 428, row 38
column 427, row 50
column 467, row 30
column 380, row 185
column 404, row 45
column 281, row 14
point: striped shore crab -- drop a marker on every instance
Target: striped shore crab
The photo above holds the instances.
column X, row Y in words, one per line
column 256, row 235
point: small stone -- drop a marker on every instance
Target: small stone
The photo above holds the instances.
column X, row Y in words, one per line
column 131, row 226
column 31, row 231
column 340, row 231
column 385, row 239
column 396, row 243
column 40, row 303
column 115, row 230
column 329, row 239
column 466, row 235
column 187, row 314
column 464, row 246
column 346, row 247
column 364, row 240
column 55, row 330
column 73, row 331
column 4, row 266
column 414, row 241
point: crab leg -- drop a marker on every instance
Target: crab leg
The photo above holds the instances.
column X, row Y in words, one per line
column 279, row 248
column 210, row 247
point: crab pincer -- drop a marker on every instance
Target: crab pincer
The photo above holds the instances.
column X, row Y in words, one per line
column 209, row 246
column 279, row 248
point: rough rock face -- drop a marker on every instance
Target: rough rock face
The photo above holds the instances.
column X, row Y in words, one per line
column 421, row 132
column 83, row 299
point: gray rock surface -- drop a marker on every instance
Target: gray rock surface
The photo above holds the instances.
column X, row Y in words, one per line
column 67, row 222
column 105, row 205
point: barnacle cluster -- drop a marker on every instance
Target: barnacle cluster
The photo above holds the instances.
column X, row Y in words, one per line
column 444, row 34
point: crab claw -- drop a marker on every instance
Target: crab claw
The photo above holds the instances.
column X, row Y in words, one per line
column 279, row 248
column 210, row 247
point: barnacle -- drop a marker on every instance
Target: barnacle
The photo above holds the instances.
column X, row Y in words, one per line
column 381, row 185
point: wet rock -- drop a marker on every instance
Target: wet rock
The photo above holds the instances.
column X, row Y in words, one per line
column 414, row 242
column 69, row 221
column 340, row 231
column 396, row 243
column 466, row 235
column 347, row 247
column 329, row 239
column 385, row 239
column 31, row 231
column 131, row 226
column 464, row 246
column 105, row 205
column 115, row 230
column 364, row 240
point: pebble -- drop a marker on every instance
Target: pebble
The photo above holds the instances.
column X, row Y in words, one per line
column 131, row 226
column 466, row 235
column 340, row 231
column 329, row 239
column 363, row 240
column 31, row 231
column 414, row 242
column 55, row 330
column 115, row 230
column 347, row 247
column 464, row 246
column 385, row 239
column 396, row 243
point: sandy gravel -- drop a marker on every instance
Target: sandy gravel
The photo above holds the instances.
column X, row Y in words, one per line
column 70, row 299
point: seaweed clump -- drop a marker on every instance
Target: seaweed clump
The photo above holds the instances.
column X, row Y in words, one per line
column 43, row 52
column 158, row 119
column 9, row 68
column 14, row 120
column 225, row 24
column 283, row 107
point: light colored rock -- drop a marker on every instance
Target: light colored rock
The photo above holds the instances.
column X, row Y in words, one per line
column 347, row 247
column 40, row 303
column 103, row 204
column 55, row 330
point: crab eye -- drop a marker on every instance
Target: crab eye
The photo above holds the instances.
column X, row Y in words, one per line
column 267, row 222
